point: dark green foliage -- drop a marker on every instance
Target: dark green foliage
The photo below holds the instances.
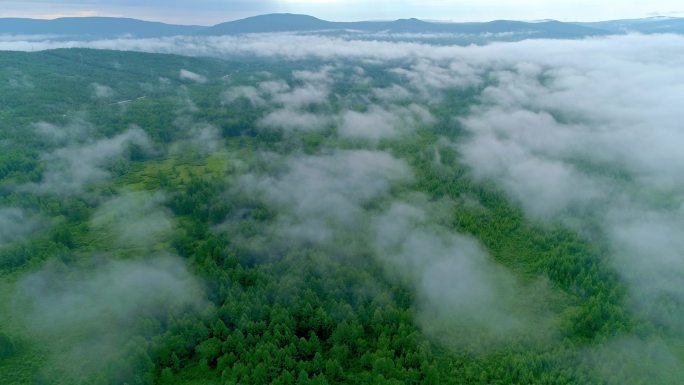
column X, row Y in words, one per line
column 7, row 347
column 302, row 315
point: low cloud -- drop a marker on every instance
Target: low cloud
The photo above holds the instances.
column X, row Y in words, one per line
column 289, row 105
column 101, row 91
column 393, row 93
column 192, row 76
column 293, row 120
column 326, row 201
column 77, row 130
column 88, row 318
column 16, row 223
column 428, row 76
column 18, row 79
column 205, row 137
column 134, row 219
column 303, row 96
column 248, row 92
column 462, row 293
column 589, row 134
column 274, row 87
column 583, row 132
column 70, row 168
column 319, row 196
column 304, row 46
column 630, row 360
column 378, row 123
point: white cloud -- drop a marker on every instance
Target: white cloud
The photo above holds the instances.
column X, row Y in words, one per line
column 378, row 123
column 192, row 76
column 80, row 161
column 16, row 223
column 248, row 92
column 318, row 196
column 293, row 120
column 102, row 91
column 590, row 132
column 87, row 318
column 133, row 219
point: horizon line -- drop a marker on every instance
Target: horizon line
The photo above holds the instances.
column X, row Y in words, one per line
column 438, row 21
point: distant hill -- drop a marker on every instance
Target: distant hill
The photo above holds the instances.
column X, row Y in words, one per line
column 85, row 28
column 304, row 23
column 647, row 26
column 269, row 23
column 92, row 27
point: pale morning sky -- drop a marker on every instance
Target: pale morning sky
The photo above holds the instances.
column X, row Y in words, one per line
column 207, row 12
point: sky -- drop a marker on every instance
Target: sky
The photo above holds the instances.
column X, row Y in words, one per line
column 208, row 12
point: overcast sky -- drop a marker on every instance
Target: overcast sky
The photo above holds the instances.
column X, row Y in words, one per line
column 208, row 12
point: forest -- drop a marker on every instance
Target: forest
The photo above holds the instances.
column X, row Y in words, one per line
column 464, row 218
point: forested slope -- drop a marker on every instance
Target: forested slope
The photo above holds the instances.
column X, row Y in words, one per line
column 177, row 220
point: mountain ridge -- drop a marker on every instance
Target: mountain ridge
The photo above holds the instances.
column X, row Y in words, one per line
column 96, row 27
column 114, row 27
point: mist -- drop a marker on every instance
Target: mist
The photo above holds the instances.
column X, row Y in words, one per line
column 465, row 299
column 134, row 220
column 101, row 91
column 595, row 141
column 321, row 197
column 192, row 76
column 378, row 123
column 345, row 204
column 81, row 160
column 537, row 131
column 16, row 223
column 89, row 318
column 337, row 154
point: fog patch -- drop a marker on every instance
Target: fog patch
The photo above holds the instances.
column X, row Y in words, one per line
column 257, row 96
column 303, row 96
column 394, row 93
column 306, row 46
column 546, row 187
column 337, row 202
column 288, row 107
column 319, row 197
column 274, row 87
column 195, row 137
column 135, row 219
column 101, row 91
column 18, row 79
column 428, row 76
column 205, row 137
column 589, row 134
column 378, row 123
column 16, row 223
column 77, row 130
column 464, row 298
column 192, row 76
column 322, row 75
column 649, row 254
column 293, row 120
column 70, row 168
column 90, row 318
column 629, row 360
column 248, row 92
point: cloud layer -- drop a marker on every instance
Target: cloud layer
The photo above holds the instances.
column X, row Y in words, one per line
column 16, row 223
column 595, row 139
column 319, row 197
column 88, row 318
column 583, row 133
column 79, row 159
